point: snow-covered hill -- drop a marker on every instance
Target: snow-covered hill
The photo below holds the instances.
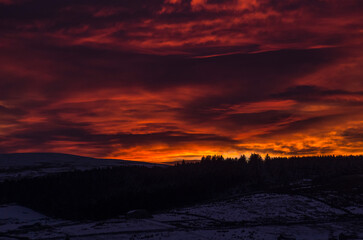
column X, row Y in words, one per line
column 256, row 216
column 19, row 165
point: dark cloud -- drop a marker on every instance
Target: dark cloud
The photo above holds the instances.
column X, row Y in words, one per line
column 11, row 111
column 353, row 135
column 312, row 93
column 319, row 123
column 42, row 137
column 169, row 78
column 56, row 72
column 163, row 27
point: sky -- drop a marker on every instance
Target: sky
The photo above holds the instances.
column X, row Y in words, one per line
column 163, row 80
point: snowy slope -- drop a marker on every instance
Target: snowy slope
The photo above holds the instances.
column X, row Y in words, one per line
column 258, row 216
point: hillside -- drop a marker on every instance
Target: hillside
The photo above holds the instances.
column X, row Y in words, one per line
column 20, row 165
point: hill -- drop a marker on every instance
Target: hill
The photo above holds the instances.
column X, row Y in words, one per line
column 20, row 165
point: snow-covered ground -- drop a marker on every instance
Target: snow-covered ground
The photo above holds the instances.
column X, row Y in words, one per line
column 276, row 208
column 20, row 165
column 257, row 216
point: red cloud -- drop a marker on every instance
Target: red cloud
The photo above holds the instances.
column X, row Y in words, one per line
column 162, row 80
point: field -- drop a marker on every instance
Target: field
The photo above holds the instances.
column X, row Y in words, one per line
column 253, row 216
column 297, row 198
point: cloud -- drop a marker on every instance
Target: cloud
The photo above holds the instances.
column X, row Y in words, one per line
column 353, row 135
column 313, row 93
column 189, row 27
column 168, row 79
column 6, row 2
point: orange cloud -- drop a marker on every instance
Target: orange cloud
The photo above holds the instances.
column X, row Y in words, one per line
column 173, row 79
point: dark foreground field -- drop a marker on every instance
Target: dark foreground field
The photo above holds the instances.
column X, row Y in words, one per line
column 255, row 198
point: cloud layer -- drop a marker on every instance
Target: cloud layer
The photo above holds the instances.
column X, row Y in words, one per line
column 162, row 80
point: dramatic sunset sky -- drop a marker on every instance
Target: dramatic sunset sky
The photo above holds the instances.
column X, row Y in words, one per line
column 160, row 80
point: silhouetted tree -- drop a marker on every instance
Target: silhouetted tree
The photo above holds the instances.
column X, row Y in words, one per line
column 242, row 160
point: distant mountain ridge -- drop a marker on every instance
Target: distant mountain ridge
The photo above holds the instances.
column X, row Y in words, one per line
column 19, row 165
column 40, row 155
